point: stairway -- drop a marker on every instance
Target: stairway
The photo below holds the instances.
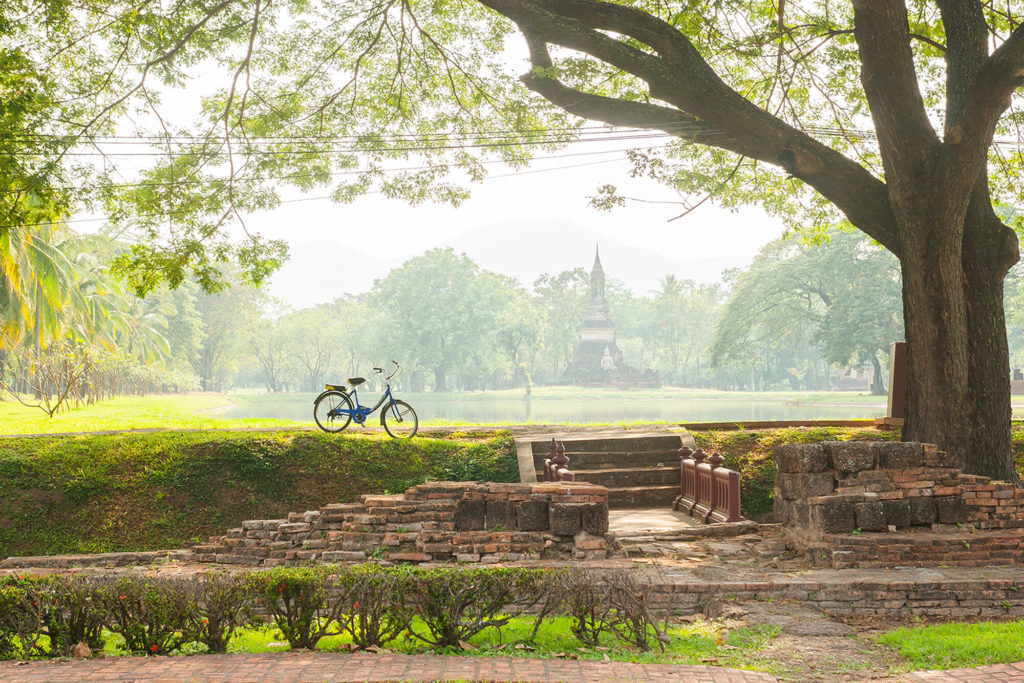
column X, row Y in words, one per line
column 639, row 471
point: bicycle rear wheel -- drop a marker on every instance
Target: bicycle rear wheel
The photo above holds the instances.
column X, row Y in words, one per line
column 325, row 411
column 400, row 420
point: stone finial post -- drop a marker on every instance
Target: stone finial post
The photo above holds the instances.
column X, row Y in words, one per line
column 716, row 460
column 685, row 452
column 700, row 455
column 560, row 465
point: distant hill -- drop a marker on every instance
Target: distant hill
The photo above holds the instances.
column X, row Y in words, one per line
column 527, row 250
column 323, row 270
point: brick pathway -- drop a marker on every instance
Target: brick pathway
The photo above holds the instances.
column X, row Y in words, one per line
column 305, row 666
column 295, row 667
column 982, row 674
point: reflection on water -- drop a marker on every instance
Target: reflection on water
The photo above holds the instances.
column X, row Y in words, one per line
column 511, row 411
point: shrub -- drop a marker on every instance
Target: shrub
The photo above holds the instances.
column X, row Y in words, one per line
column 218, row 603
column 613, row 602
column 456, row 604
column 23, row 606
column 148, row 614
column 76, row 615
column 300, row 602
column 377, row 613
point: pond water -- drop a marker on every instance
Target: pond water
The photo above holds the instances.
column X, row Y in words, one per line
column 553, row 410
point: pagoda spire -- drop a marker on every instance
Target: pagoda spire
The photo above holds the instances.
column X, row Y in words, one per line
column 597, row 276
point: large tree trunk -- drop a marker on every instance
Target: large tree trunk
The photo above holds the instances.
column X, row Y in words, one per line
column 958, row 374
column 990, row 250
column 935, row 319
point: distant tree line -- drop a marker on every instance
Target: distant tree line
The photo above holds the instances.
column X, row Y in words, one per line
column 802, row 316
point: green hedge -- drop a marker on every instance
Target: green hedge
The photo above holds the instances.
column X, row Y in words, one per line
column 103, row 493
column 371, row 604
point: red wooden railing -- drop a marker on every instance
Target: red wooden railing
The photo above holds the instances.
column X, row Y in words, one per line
column 708, row 491
column 556, row 464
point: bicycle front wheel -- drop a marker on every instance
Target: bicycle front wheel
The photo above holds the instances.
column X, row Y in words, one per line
column 400, row 420
column 325, row 411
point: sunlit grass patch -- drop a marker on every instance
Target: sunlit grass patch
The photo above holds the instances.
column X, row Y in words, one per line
column 951, row 646
column 192, row 411
column 702, row 642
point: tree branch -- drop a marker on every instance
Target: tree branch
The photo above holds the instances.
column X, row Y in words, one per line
column 679, row 76
column 989, row 97
column 967, row 41
column 890, row 82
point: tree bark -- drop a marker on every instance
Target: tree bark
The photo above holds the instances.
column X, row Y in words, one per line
column 439, row 380
column 990, row 250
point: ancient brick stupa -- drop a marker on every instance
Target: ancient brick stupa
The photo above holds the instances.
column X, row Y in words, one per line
column 598, row 360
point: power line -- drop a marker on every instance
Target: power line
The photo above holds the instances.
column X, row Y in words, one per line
column 696, row 133
column 307, row 199
column 334, row 174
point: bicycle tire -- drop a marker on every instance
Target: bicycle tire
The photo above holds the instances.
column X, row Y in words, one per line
column 325, row 404
column 404, row 425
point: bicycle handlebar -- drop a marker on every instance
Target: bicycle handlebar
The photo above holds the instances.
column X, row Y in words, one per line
column 395, row 371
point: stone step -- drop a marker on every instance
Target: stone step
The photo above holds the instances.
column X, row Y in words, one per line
column 642, row 496
column 666, row 442
column 618, row 477
column 614, row 460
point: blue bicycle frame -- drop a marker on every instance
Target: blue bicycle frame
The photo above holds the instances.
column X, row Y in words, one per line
column 361, row 412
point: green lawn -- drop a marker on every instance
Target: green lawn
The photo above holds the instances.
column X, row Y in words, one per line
column 192, row 411
column 691, row 644
column 952, row 646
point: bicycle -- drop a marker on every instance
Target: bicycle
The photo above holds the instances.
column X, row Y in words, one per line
column 333, row 409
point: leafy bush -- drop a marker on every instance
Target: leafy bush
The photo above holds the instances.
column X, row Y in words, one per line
column 371, row 603
column 301, row 602
column 23, row 604
column 218, row 603
column 378, row 612
column 456, row 604
column 149, row 614
column 77, row 614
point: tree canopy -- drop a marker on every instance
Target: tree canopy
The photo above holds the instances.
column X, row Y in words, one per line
column 882, row 112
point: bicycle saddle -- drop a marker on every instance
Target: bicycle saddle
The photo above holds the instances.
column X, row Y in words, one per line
column 356, row 381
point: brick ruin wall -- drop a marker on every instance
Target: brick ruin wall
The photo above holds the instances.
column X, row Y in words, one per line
column 832, row 497
column 432, row 522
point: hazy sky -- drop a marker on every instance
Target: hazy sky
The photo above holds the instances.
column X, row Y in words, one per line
column 390, row 229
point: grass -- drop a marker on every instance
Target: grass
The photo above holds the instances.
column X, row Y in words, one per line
column 952, row 646
column 191, row 411
column 702, row 642
column 150, row 491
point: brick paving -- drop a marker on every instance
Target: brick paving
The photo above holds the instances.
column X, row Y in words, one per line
column 296, row 667
column 289, row 667
column 982, row 674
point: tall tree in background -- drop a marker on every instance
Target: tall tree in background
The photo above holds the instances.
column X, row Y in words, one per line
column 685, row 315
column 841, row 296
column 563, row 298
column 430, row 312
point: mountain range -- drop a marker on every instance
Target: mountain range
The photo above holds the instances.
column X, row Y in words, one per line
column 322, row 270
